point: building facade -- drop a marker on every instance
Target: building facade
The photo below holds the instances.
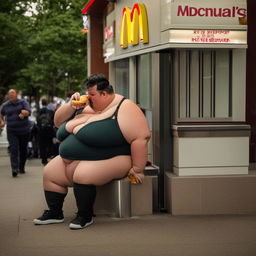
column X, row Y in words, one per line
column 184, row 64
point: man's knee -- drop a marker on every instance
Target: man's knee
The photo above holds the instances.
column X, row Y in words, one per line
column 47, row 172
column 84, row 178
column 13, row 149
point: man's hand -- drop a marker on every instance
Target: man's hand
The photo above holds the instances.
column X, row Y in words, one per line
column 2, row 123
column 78, row 101
column 21, row 116
column 23, row 113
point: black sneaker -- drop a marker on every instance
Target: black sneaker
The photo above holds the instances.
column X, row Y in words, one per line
column 44, row 162
column 22, row 171
column 49, row 217
column 14, row 173
column 79, row 222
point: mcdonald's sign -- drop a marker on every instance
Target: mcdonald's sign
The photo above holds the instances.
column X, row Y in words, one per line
column 134, row 26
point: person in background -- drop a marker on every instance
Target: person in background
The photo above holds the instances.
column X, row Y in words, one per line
column 45, row 131
column 33, row 147
column 69, row 94
column 52, row 106
column 102, row 139
column 14, row 114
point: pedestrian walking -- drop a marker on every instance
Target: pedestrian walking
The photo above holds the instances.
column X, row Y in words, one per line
column 45, row 131
column 14, row 114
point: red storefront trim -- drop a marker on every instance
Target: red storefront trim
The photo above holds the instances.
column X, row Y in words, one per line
column 87, row 7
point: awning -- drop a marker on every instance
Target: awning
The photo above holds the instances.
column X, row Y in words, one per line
column 94, row 7
column 87, row 7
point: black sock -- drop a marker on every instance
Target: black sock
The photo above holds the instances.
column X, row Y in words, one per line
column 85, row 196
column 54, row 201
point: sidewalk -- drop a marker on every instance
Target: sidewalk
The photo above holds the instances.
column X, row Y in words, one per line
column 3, row 139
column 21, row 200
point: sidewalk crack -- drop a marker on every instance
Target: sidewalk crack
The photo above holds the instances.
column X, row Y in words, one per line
column 18, row 225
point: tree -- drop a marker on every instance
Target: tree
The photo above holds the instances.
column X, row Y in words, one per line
column 12, row 37
column 52, row 47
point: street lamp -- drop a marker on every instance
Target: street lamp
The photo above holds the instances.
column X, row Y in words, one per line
column 66, row 77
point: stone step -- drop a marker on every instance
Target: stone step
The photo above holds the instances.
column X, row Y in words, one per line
column 204, row 195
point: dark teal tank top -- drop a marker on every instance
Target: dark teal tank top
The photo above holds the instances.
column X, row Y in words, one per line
column 97, row 140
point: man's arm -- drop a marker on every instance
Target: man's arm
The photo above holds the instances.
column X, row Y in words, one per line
column 2, row 122
column 25, row 111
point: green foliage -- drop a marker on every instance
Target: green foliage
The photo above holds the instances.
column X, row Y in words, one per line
column 45, row 53
column 12, row 57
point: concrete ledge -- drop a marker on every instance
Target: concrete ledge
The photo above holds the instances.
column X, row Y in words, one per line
column 119, row 198
column 222, row 170
column 142, row 197
column 203, row 195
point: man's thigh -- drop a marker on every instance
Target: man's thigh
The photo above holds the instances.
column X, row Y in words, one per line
column 102, row 171
column 13, row 140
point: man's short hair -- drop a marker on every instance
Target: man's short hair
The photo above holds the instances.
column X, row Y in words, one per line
column 44, row 102
column 100, row 81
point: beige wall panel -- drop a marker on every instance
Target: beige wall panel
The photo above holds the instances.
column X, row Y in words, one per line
column 215, row 151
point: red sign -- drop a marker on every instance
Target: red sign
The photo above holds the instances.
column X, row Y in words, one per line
column 235, row 11
column 109, row 32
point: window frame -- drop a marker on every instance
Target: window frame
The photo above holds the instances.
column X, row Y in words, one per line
column 200, row 117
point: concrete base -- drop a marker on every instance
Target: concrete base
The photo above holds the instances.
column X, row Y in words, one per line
column 133, row 200
column 202, row 195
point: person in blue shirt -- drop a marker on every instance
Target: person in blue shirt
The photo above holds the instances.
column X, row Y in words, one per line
column 14, row 114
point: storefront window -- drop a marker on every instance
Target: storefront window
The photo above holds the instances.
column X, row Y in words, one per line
column 122, row 77
column 203, row 80
column 143, row 88
column 143, row 81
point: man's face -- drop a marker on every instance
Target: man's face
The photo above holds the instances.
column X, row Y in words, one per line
column 12, row 95
column 96, row 98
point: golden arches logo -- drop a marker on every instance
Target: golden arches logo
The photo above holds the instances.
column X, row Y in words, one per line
column 134, row 26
